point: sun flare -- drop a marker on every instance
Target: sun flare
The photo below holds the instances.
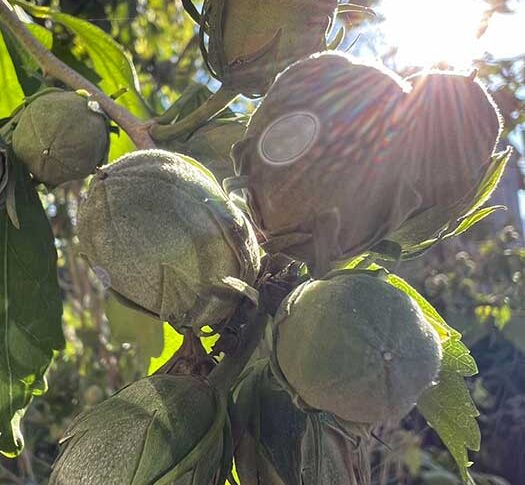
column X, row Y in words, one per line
column 428, row 32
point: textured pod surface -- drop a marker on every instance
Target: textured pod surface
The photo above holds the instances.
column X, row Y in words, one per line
column 452, row 128
column 141, row 433
column 253, row 40
column 333, row 455
column 354, row 346
column 268, row 430
column 322, row 177
column 61, row 136
column 164, row 237
column 211, row 145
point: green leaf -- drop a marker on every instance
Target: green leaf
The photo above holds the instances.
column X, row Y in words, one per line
column 444, row 330
column 30, row 309
column 491, row 180
column 109, row 61
column 27, row 69
column 449, row 409
column 473, row 219
column 12, row 93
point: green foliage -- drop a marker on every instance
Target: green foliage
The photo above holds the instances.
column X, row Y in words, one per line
column 12, row 94
column 30, row 309
column 146, row 55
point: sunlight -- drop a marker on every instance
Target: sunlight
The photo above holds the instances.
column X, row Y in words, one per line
column 427, row 32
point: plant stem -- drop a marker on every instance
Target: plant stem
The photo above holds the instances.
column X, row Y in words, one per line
column 137, row 130
column 213, row 105
column 223, row 377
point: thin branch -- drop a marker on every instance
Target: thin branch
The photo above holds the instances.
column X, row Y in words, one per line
column 137, row 129
column 212, row 106
column 223, row 377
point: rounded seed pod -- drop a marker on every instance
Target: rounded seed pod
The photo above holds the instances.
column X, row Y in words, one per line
column 354, row 346
column 162, row 429
column 451, row 128
column 320, row 177
column 162, row 235
column 61, row 136
column 251, row 41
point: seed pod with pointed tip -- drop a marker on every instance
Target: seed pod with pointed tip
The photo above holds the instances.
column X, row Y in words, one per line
column 61, row 136
column 162, row 429
column 251, row 41
column 163, row 236
column 451, row 128
column 316, row 162
column 365, row 352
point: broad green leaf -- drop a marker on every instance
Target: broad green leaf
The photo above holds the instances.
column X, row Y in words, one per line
column 109, row 61
column 449, row 409
column 30, row 309
column 444, row 331
column 12, row 93
column 28, row 71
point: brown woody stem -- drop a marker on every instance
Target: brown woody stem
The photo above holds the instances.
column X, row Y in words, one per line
column 137, row 129
column 212, row 106
column 223, row 377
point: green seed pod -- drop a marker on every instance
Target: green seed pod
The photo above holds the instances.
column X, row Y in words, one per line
column 250, row 41
column 320, row 178
column 211, row 145
column 162, row 429
column 451, row 128
column 61, row 136
column 163, row 236
column 333, row 455
column 278, row 444
column 354, row 346
column 268, row 430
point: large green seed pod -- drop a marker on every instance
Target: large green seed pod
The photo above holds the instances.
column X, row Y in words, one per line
column 250, row 41
column 61, row 136
column 354, row 346
column 163, row 236
column 162, row 429
column 451, row 128
column 320, row 176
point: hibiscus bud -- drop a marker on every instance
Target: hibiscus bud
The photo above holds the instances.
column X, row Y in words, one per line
column 354, row 346
column 251, row 41
column 163, row 236
column 316, row 162
column 162, row 429
column 61, row 136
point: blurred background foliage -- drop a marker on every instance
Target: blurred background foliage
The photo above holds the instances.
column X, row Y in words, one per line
column 477, row 282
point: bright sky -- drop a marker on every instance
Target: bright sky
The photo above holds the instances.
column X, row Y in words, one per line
column 429, row 31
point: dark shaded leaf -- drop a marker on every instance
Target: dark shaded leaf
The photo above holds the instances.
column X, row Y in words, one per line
column 30, row 309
